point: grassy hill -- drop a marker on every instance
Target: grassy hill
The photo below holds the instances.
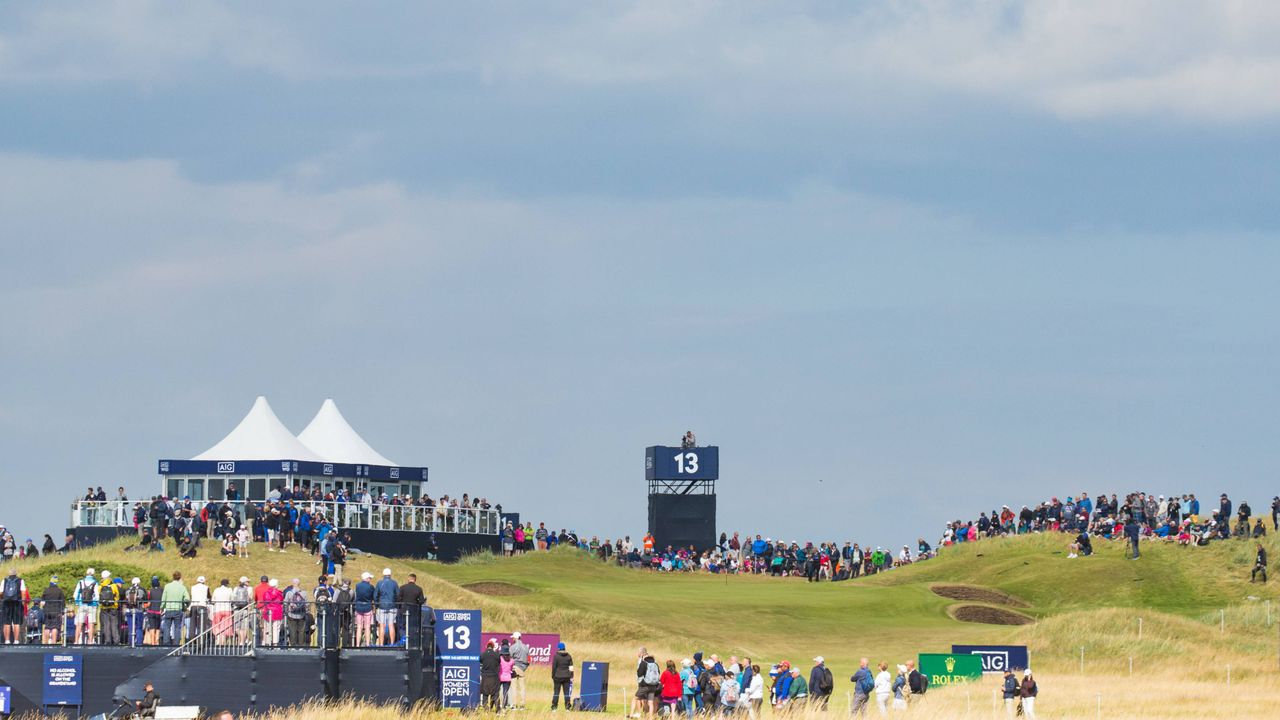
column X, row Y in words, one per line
column 605, row 612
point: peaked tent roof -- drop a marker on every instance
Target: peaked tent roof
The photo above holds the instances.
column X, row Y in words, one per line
column 330, row 436
column 260, row 436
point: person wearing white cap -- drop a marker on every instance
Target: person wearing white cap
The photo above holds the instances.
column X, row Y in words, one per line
column 821, row 684
column 362, row 605
column 200, row 612
column 1028, row 691
column 385, row 596
column 519, row 668
column 86, row 600
column 900, row 689
column 222, row 599
column 109, row 610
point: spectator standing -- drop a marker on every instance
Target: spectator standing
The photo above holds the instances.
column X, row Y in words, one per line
column 411, row 601
column 900, row 689
column 884, row 688
column 821, row 684
column 505, row 667
column 86, row 599
column 561, row 677
column 863, row 685
column 490, row 665
column 1010, row 690
column 296, row 605
column 755, row 694
column 1259, row 564
column 55, row 604
column 174, row 600
column 12, row 592
column 272, row 609
column 385, row 595
column 1028, row 692
column 363, row 607
column 200, row 611
column 109, row 610
column 520, row 667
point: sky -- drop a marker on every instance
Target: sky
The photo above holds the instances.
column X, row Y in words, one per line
column 902, row 262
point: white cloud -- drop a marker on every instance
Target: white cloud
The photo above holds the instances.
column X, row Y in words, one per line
column 1206, row 61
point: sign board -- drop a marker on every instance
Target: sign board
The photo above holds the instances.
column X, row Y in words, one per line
column 63, row 680
column 997, row 658
column 594, row 686
column 6, row 700
column 950, row 668
column 541, row 645
column 673, row 463
column 458, row 645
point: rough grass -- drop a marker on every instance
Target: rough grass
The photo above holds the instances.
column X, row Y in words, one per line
column 604, row 613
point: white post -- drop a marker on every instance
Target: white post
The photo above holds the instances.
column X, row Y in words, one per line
column 1099, row 706
column 1222, row 620
column 1139, row 628
column 968, row 706
column 1081, row 658
column 1268, row 613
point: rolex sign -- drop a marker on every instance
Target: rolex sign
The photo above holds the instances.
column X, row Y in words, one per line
column 950, row 668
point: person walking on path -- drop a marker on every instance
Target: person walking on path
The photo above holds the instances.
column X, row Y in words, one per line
column 1260, row 564
column 1028, row 692
column 863, row 685
column 561, row 677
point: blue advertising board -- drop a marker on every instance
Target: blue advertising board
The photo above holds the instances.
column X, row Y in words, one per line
column 458, row 657
column 594, row 684
column 63, row 680
column 6, row 700
column 997, row 658
column 673, row 463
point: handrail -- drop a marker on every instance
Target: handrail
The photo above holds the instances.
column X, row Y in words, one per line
column 231, row 635
column 344, row 515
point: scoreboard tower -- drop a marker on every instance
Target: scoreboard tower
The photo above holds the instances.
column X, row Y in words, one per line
column 682, row 495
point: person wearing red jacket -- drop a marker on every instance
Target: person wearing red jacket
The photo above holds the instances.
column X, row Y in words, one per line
column 672, row 688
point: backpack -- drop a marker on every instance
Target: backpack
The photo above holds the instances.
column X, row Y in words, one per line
column 107, row 596
column 297, row 605
column 731, row 695
column 866, row 684
column 84, row 591
column 826, row 683
column 12, row 589
column 652, row 674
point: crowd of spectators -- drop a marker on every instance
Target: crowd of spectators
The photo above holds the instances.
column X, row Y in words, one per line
column 101, row 608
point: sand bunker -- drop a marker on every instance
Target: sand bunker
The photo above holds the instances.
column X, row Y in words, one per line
column 989, row 615
column 977, row 594
column 497, row 588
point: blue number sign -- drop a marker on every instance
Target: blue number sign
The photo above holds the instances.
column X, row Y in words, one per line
column 673, row 463
column 458, row 657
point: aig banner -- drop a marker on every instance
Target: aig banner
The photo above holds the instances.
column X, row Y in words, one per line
column 997, row 658
column 458, row 657
column 541, row 645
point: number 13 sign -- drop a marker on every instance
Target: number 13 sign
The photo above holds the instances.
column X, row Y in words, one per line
column 458, row 657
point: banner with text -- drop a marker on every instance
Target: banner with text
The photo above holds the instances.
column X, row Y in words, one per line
column 541, row 645
column 997, row 658
column 63, row 680
column 458, row 648
column 950, row 668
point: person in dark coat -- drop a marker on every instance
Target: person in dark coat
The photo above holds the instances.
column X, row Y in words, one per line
column 561, row 677
column 490, row 663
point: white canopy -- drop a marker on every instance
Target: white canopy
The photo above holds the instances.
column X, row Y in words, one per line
column 260, row 436
column 331, row 437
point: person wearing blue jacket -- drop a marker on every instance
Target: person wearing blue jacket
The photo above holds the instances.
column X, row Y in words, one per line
column 362, row 605
column 385, row 595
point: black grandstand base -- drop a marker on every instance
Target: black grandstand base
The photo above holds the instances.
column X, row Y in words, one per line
column 389, row 543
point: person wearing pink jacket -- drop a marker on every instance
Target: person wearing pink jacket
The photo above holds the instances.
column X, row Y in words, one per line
column 272, row 608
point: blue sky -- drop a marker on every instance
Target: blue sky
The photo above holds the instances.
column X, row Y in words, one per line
column 897, row 261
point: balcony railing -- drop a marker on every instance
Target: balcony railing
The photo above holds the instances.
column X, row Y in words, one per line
column 344, row 515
